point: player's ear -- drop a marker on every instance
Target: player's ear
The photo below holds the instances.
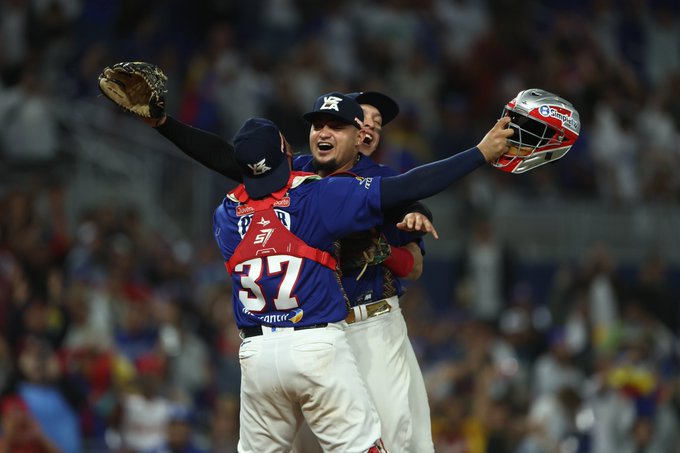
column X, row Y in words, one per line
column 287, row 146
column 360, row 137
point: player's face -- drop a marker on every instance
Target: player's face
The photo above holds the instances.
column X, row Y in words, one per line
column 334, row 144
column 372, row 128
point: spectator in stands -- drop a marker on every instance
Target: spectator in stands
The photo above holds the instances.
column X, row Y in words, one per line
column 485, row 272
column 143, row 411
column 51, row 399
column 20, row 432
column 180, row 433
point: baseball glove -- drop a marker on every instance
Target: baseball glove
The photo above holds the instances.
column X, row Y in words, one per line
column 360, row 250
column 136, row 86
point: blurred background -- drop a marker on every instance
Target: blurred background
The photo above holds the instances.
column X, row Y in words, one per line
column 547, row 316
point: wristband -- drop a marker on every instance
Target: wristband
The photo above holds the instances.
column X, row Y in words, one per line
column 400, row 262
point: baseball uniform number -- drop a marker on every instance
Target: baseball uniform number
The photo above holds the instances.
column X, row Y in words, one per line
column 252, row 295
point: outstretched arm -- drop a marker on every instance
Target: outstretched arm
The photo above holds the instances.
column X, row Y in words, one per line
column 139, row 87
column 430, row 179
column 204, row 147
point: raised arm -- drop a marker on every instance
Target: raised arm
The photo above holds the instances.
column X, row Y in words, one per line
column 427, row 180
column 139, row 87
column 204, row 147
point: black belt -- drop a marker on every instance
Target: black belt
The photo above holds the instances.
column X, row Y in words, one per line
column 254, row 331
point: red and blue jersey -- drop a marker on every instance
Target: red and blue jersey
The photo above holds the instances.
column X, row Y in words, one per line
column 371, row 285
column 287, row 290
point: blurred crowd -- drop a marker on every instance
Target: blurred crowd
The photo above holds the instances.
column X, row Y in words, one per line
column 115, row 338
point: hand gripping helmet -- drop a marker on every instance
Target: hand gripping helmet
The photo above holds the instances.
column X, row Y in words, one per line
column 546, row 127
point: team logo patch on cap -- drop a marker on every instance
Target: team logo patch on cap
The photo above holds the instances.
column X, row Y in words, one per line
column 338, row 105
column 259, row 167
column 330, row 103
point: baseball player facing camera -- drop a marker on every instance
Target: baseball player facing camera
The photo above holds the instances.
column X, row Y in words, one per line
column 276, row 233
column 377, row 330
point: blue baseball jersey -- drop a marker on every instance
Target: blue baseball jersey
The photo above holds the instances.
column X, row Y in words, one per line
column 282, row 290
column 371, row 285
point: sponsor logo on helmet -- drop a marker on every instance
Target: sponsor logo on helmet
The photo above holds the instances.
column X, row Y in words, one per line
column 551, row 112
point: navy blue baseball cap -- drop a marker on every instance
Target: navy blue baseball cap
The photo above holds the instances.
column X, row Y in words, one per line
column 388, row 107
column 260, row 152
column 338, row 105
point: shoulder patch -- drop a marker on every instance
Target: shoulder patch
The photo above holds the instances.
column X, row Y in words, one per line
column 298, row 180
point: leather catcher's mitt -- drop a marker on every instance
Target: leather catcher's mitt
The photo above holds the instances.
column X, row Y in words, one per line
column 360, row 250
column 137, row 86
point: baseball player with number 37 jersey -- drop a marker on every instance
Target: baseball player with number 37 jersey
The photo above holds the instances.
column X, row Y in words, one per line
column 276, row 233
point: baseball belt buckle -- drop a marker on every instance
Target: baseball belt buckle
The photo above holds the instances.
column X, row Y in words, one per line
column 378, row 308
column 370, row 310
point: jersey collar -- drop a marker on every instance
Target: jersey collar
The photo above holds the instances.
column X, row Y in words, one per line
column 296, row 178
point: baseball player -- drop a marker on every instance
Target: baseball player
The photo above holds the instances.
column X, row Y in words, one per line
column 376, row 327
column 386, row 357
column 295, row 358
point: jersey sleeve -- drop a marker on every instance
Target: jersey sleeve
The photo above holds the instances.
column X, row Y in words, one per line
column 395, row 236
column 221, row 227
column 346, row 205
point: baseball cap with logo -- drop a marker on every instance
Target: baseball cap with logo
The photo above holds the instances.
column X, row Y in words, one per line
column 260, row 152
column 338, row 105
column 388, row 107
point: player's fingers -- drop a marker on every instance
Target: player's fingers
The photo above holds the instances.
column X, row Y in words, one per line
column 419, row 223
column 427, row 227
column 503, row 122
column 504, row 130
column 404, row 226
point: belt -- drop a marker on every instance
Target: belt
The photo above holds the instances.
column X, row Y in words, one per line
column 254, row 331
column 371, row 309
